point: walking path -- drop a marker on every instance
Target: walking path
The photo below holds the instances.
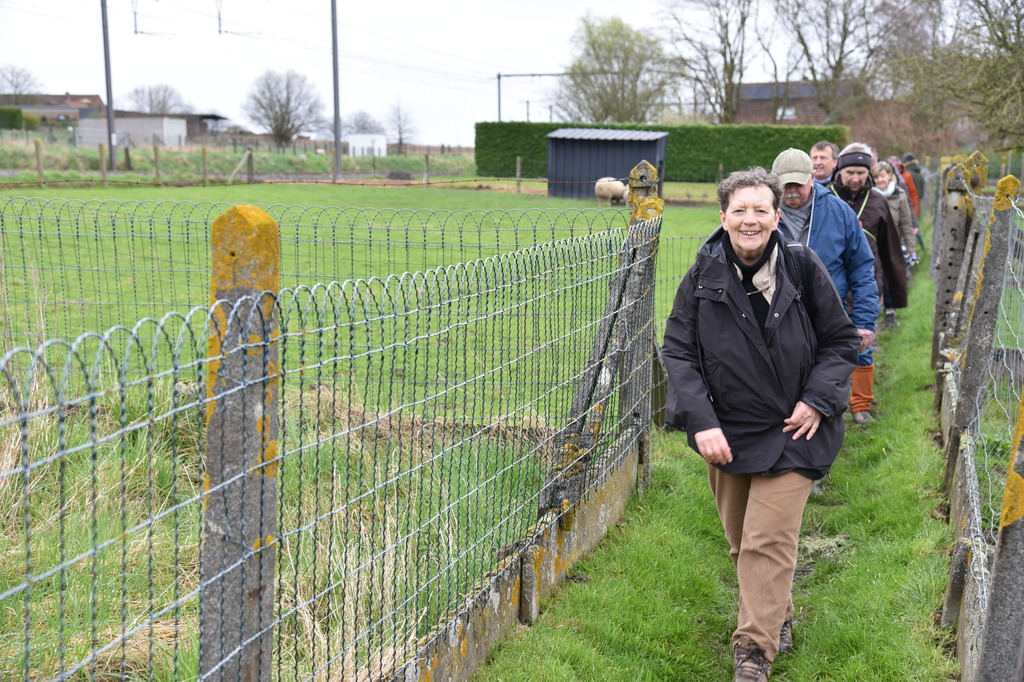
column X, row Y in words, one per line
column 657, row 601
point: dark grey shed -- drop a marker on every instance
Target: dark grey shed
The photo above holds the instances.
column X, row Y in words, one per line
column 577, row 157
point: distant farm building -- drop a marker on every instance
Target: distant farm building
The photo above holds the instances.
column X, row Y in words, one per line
column 64, row 109
column 138, row 131
column 577, row 157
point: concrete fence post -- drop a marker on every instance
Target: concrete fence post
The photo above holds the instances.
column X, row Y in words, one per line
column 956, row 215
column 1004, row 622
column 610, row 354
column 645, row 205
column 240, row 480
column 976, row 355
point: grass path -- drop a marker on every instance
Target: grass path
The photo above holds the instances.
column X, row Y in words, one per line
column 657, row 601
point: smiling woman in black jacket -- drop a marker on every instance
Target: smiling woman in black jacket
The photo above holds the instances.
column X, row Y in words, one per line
column 759, row 351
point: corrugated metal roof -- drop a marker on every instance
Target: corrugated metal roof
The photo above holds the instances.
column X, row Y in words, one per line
column 606, row 134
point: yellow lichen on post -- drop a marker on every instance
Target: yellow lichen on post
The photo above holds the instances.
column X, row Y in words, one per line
column 1006, row 192
column 246, row 251
column 643, row 197
column 1013, row 495
column 1006, row 195
column 976, row 167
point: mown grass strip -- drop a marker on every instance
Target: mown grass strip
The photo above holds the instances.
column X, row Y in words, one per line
column 658, row 600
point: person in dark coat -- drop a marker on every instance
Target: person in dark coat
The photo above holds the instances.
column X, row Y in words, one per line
column 759, row 351
column 853, row 184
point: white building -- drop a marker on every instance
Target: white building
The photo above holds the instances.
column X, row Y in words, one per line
column 140, row 131
column 366, row 144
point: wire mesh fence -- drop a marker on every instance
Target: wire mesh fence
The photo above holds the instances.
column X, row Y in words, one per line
column 394, row 437
column 979, row 349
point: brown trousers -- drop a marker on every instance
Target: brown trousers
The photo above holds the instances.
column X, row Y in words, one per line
column 762, row 516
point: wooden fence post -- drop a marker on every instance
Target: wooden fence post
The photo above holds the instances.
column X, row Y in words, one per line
column 519, row 174
column 240, row 480
column 39, row 161
column 976, row 355
column 103, row 163
column 156, row 164
column 206, row 167
column 246, row 159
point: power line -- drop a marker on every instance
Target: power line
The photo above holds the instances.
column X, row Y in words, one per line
column 519, row 75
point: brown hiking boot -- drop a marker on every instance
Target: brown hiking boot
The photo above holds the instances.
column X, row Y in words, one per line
column 750, row 662
column 786, row 637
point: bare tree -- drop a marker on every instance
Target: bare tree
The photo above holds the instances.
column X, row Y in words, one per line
column 362, row 122
column 284, row 104
column 618, row 75
column 992, row 81
column 840, row 42
column 158, row 99
column 711, row 36
column 19, row 82
column 783, row 71
column 401, row 124
column 957, row 72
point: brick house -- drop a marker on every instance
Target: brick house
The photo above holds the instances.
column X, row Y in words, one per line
column 779, row 103
column 66, row 108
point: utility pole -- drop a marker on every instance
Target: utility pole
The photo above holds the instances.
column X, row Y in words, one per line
column 337, row 109
column 111, row 130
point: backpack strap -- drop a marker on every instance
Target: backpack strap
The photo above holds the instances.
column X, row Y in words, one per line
column 798, row 265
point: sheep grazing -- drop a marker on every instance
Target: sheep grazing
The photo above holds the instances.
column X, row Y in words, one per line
column 611, row 191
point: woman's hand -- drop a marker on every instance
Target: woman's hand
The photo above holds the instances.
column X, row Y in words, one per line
column 805, row 419
column 713, row 447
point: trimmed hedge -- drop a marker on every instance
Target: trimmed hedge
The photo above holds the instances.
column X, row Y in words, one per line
column 11, row 119
column 692, row 152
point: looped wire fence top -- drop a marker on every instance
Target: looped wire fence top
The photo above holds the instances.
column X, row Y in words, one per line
column 418, row 421
column 75, row 266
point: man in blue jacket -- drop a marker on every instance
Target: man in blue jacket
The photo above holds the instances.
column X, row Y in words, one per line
column 814, row 216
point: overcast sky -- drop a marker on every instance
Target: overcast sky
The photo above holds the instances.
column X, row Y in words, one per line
column 439, row 59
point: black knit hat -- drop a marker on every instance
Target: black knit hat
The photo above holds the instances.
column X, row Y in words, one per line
column 854, row 159
column 908, row 157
